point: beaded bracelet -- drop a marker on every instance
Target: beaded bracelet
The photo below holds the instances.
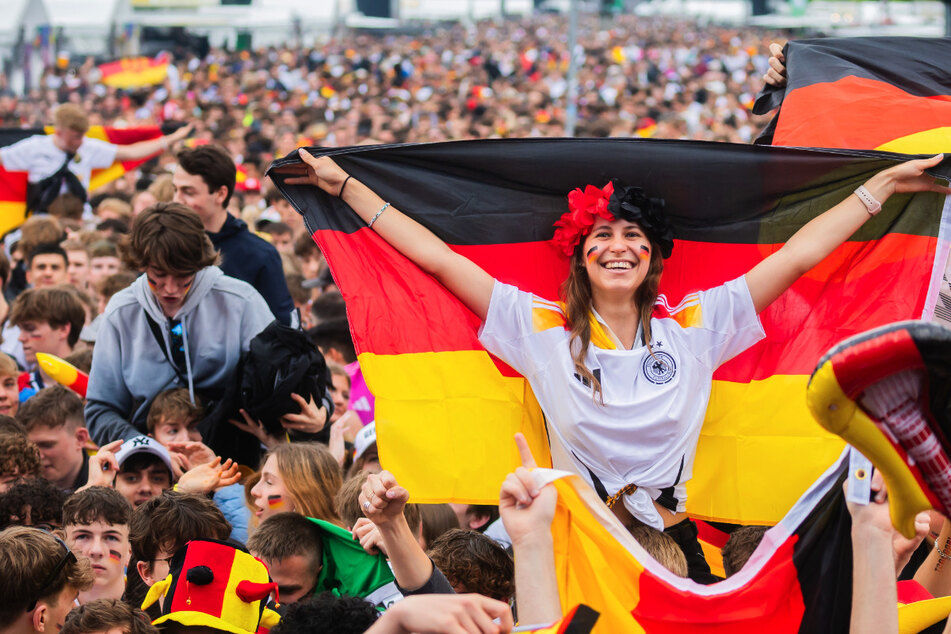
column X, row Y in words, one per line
column 373, row 219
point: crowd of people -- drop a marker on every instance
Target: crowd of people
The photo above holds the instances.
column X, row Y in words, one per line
column 134, row 472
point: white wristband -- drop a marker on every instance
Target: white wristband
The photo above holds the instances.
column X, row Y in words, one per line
column 870, row 202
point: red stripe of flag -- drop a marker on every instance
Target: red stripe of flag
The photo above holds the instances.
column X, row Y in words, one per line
column 838, row 299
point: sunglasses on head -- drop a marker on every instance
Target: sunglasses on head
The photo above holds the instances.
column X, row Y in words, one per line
column 68, row 557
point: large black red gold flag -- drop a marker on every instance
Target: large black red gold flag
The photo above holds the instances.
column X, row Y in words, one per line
column 876, row 93
column 446, row 410
column 799, row 579
column 13, row 184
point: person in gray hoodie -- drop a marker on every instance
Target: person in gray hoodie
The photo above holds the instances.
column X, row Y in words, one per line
column 182, row 323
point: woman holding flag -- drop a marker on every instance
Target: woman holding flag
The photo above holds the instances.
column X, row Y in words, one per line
column 623, row 380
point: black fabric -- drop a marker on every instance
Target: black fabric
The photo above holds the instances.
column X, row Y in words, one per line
column 685, row 534
column 511, row 191
column 40, row 195
column 280, row 361
column 917, row 65
column 823, row 559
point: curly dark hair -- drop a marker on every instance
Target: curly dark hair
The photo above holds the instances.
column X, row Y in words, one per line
column 473, row 562
column 18, row 456
column 32, row 502
column 327, row 613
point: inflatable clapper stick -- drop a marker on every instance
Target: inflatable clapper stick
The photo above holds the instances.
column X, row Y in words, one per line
column 63, row 372
column 887, row 392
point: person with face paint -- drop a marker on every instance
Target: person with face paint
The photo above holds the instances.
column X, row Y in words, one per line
column 298, row 477
column 181, row 324
column 96, row 524
column 623, row 379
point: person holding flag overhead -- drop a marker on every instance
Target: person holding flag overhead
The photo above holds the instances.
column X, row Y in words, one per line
column 624, row 382
column 63, row 162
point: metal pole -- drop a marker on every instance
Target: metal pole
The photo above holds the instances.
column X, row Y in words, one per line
column 947, row 17
column 571, row 111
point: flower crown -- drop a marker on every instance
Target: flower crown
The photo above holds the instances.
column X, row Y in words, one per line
column 611, row 202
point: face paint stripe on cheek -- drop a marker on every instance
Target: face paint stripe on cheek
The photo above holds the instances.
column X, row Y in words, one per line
column 592, row 254
column 274, row 501
column 645, row 253
column 114, row 555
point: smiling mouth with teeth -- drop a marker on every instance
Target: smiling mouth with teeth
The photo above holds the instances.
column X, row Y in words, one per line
column 618, row 265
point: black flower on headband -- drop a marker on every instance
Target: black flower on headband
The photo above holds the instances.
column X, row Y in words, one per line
column 632, row 204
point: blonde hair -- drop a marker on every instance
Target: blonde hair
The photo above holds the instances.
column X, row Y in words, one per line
column 70, row 117
column 663, row 548
column 311, row 477
column 8, row 367
column 120, row 207
column 162, row 188
column 576, row 294
column 39, row 230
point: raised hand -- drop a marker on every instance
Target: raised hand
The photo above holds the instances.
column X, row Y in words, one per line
column 525, row 508
column 367, row 533
column 382, row 499
column 320, row 172
column 103, row 466
column 910, row 176
column 311, row 418
column 209, row 477
column 256, row 428
column 196, row 452
column 776, row 75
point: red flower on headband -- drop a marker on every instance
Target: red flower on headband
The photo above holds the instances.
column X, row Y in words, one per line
column 583, row 208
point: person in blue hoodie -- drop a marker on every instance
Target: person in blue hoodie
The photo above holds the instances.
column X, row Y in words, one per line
column 204, row 182
column 182, row 323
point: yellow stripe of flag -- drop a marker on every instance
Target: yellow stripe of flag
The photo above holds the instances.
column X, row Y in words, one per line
column 425, row 387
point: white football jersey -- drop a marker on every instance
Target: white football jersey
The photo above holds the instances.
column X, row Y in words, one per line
column 646, row 431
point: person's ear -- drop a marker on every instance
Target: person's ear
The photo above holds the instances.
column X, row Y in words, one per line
column 476, row 522
column 221, row 194
column 145, row 572
column 29, row 278
column 41, row 617
column 82, row 436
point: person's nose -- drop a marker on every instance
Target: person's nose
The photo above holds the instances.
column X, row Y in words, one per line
column 96, row 548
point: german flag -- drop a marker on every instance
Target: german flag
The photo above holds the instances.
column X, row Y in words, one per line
column 798, row 580
column 446, row 410
column 13, row 184
column 134, row 72
column 885, row 93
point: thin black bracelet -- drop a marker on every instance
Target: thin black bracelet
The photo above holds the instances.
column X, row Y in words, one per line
column 340, row 193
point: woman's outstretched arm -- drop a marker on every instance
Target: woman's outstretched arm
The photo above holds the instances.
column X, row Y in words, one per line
column 820, row 236
column 464, row 279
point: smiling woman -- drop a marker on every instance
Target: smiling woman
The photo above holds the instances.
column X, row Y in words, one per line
column 623, row 380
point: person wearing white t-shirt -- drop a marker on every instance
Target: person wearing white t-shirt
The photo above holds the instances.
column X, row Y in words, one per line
column 623, row 380
column 63, row 161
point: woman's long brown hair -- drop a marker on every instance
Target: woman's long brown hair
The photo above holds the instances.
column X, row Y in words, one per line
column 576, row 294
column 312, row 478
